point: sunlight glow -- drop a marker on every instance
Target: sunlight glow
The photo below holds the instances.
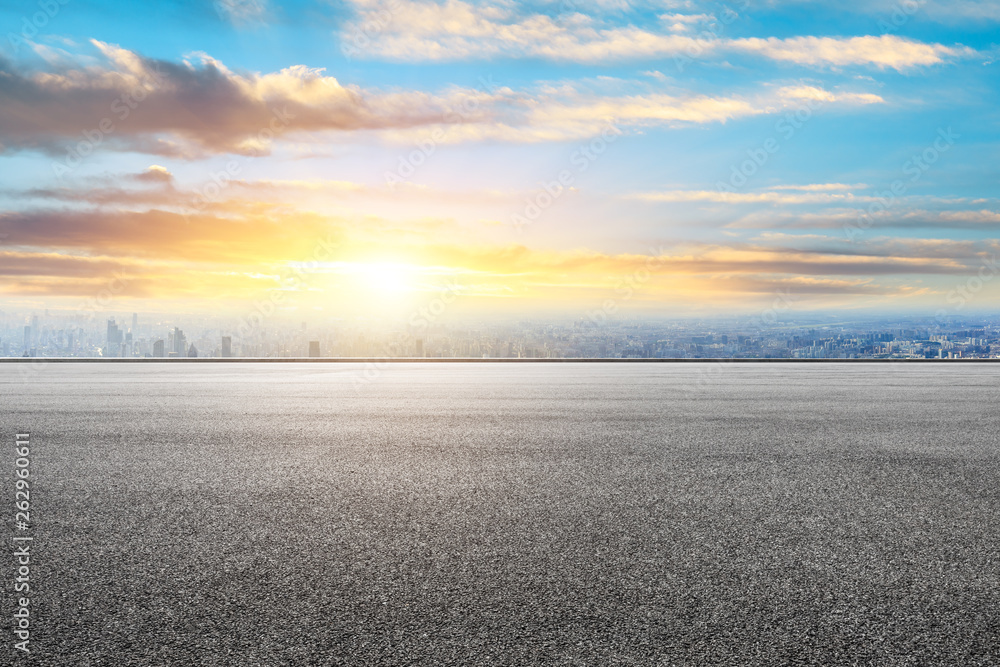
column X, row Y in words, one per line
column 386, row 277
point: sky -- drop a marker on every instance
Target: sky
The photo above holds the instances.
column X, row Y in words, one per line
column 365, row 157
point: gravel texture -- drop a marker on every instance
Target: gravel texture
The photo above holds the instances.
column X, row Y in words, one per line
column 470, row 514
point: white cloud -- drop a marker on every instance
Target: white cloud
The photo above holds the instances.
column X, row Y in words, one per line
column 723, row 197
column 884, row 51
column 819, row 187
column 242, row 12
column 456, row 30
column 566, row 113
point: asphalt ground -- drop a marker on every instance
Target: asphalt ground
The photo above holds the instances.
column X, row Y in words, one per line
column 471, row 514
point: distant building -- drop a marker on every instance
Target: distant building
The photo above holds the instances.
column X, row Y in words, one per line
column 227, row 346
column 159, row 350
column 115, row 338
column 314, row 348
column 178, row 342
column 27, row 338
column 192, row 351
column 420, row 347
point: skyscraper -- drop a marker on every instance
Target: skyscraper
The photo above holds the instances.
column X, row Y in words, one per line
column 314, row 348
column 113, row 347
column 179, row 346
column 227, row 346
column 159, row 349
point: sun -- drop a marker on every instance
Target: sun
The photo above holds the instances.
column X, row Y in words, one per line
column 389, row 278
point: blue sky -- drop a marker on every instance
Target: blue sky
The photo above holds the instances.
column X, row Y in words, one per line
column 530, row 155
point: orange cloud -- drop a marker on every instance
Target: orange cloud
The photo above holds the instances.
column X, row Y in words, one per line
column 239, row 249
column 183, row 110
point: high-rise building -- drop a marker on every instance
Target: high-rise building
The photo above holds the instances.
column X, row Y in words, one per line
column 135, row 323
column 314, row 348
column 115, row 338
column 192, row 351
column 178, row 342
column 159, row 349
column 27, row 337
column 420, row 347
column 227, row 346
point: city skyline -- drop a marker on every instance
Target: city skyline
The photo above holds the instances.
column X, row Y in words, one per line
column 378, row 158
column 775, row 333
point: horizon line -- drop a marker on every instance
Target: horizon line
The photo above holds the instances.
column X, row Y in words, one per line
column 488, row 360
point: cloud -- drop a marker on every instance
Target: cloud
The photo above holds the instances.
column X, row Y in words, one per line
column 185, row 110
column 883, row 51
column 984, row 216
column 236, row 249
column 893, row 14
column 57, row 265
column 458, row 30
column 820, row 187
column 901, row 217
column 197, row 108
column 724, row 197
column 571, row 112
column 685, row 22
column 844, row 205
column 242, row 12
column 156, row 233
column 154, row 174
